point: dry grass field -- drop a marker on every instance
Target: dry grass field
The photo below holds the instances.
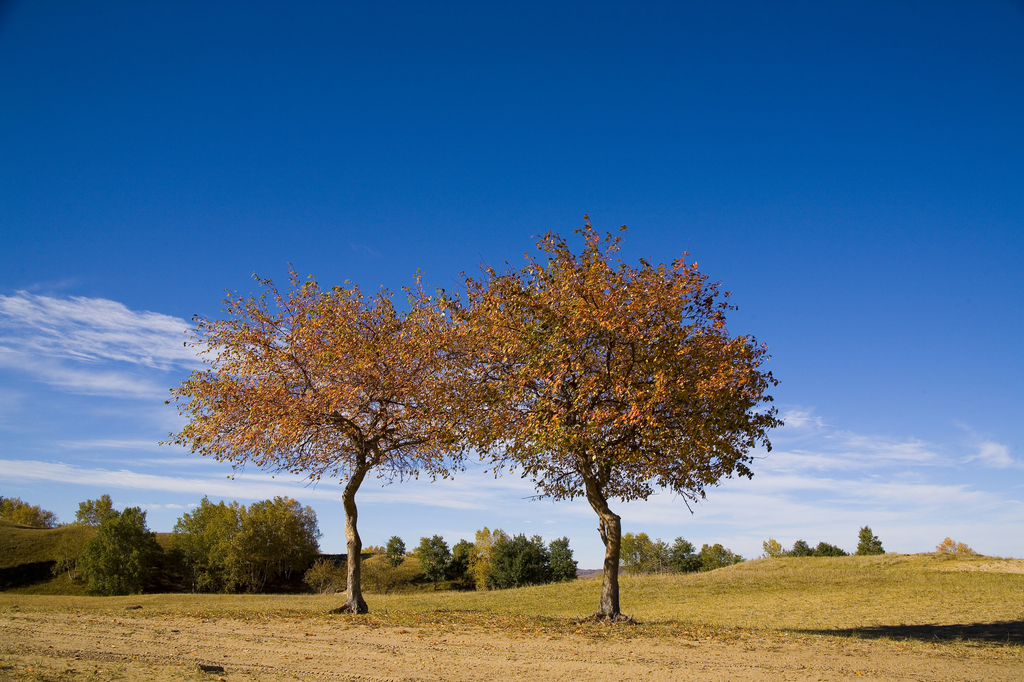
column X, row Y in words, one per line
column 891, row 617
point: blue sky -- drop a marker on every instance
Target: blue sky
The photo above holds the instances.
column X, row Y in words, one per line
column 852, row 171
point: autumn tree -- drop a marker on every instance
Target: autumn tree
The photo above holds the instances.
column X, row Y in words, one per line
column 606, row 381
column 16, row 510
column 950, row 546
column 324, row 383
column 483, row 552
column 773, row 549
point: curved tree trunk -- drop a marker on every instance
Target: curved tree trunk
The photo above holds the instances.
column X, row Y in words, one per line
column 610, row 528
column 354, row 602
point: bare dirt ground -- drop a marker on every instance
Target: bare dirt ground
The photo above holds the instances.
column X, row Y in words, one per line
column 81, row 645
column 994, row 566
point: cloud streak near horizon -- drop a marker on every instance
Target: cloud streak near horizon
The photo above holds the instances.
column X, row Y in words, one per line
column 818, row 477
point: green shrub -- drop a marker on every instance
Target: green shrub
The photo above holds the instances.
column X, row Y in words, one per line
column 395, row 551
column 825, row 549
column 563, row 566
column 119, row 559
column 518, row 562
column 323, row 577
column 434, row 555
column 868, row 543
column 683, row 556
column 458, row 568
column 717, row 556
column 381, row 577
column 801, row 548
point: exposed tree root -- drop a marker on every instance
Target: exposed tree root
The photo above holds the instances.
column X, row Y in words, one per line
column 617, row 619
column 352, row 609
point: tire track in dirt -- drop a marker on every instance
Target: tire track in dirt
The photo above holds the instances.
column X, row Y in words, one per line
column 334, row 649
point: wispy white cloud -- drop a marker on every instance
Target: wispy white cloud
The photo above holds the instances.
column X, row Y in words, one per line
column 994, row 455
column 110, row 444
column 845, row 451
column 800, row 419
column 92, row 330
column 78, row 379
column 988, row 452
column 461, row 493
column 91, row 346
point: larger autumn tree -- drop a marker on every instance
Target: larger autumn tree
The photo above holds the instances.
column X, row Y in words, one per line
column 607, row 381
column 322, row 383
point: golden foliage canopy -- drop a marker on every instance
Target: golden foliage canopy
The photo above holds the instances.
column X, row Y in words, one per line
column 600, row 377
column 321, row 383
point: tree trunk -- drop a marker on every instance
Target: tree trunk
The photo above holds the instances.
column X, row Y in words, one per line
column 610, row 528
column 354, row 602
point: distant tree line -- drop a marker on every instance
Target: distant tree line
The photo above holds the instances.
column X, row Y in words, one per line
column 867, row 544
column 495, row 561
column 216, row 547
column 640, row 556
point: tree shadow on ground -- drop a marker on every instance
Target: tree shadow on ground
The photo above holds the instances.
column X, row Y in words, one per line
column 1006, row 632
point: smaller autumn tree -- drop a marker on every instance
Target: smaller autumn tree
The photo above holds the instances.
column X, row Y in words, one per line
column 483, row 552
column 607, row 381
column 16, row 510
column 324, row 383
column 773, row 549
column 950, row 546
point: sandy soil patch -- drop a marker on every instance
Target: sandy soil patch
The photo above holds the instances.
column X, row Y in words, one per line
column 82, row 645
column 996, row 566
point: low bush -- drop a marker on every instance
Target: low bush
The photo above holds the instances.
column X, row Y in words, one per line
column 325, row 577
column 949, row 546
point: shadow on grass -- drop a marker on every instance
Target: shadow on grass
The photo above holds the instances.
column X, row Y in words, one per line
column 1006, row 632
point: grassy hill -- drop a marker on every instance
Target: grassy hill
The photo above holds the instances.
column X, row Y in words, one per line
column 812, row 593
column 27, row 556
column 925, row 597
column 921, row 595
